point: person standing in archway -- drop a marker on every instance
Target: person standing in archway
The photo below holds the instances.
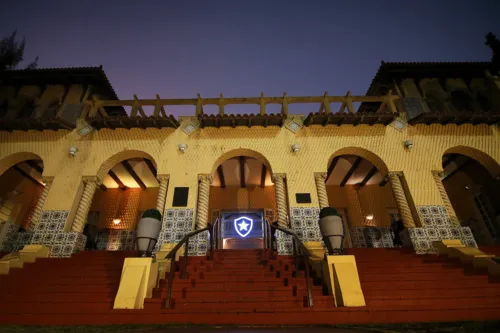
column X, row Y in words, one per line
column 396, row 227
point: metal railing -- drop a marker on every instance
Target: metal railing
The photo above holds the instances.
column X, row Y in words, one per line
column 172, row 255
column 299, row 249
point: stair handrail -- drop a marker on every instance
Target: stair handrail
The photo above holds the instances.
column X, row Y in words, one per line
column 172, row 254
column 306, row 254
column 216, row 231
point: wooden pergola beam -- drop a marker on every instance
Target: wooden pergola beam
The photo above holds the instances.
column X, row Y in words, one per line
column 369, row 175
column 263, row 176
column 151, row 166
column 332, row 166
column 26, row 175
column 248, row 100
column 134, row 175
column 220, row 172
column 242, row 171
column 103, row 187
column 35, row 166
column 351, row 171
column 117, row 180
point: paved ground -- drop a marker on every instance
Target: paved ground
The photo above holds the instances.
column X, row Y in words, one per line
column 464, row 327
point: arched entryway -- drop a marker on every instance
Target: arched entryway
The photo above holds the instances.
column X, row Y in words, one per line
column 125, row 186
column 242, row 196
column 471, row 179
column 21, row 187
column 368, row 197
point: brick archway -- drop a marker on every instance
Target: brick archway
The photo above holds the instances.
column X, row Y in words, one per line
column 119, row 157
column 9, row 161
column 482, row 158
column 364, row 153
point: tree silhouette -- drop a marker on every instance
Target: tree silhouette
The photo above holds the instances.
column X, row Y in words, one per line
column 493, row 42
column 12, row 52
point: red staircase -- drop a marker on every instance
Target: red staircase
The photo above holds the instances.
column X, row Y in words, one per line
column 247, row 287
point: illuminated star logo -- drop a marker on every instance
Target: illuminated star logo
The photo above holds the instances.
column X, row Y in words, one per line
column 243, row 226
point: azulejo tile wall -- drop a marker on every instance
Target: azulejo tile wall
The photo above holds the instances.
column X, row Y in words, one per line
column 304, row 223
column 116, row 240
column 177, row 222
column 371, row 237
column 48, row 232
column 8, row 236
column 436, row 225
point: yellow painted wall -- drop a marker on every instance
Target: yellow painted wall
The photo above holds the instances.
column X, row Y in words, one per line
column 206, row 146
column 359, row 202
column 235, row 197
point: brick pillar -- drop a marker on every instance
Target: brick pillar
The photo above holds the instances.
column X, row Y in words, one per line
column 162, row 192
column 203, row 198
column 446, row 200
column 401, row 200
column 320, row 179
column 281, row 205
column 41, row 201
column 85, row 202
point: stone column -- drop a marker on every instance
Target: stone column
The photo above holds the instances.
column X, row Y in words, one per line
column 162, row 192
column 320, row 178
column 446, row 200
column 41, row 201
column 401, row 200
column 85, row 202
column 279, row 187
column 203, row 198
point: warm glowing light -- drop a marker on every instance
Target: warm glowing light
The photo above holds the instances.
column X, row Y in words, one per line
column 243, row 224
column 369, row 217
column 117, row 221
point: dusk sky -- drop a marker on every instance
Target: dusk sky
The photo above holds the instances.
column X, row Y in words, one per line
column 240, row 48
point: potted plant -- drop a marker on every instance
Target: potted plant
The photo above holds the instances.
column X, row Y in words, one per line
column 147, row 232
column 332, row 230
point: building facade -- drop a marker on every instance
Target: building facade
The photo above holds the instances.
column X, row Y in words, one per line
column 77, row 163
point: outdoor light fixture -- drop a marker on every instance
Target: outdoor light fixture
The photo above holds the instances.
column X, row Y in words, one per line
column 182, row 147
column 467, row 187
column 73, row 151
column 116, row 221
column 408, row 144
column 295, row 148
column 369, row 217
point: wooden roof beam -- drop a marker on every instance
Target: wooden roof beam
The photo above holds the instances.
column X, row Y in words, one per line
column 263, row 176
column 450, row 159
column 332, row 166
column 351, row 171
column 384, row 181
column 369, row 176
column 26, row 175
column 117, row 180
column 35, row 166
column 134, row 175
column 151, row 167
column 242, row 171
column 220, row 172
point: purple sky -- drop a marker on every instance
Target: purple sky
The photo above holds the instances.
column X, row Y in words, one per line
column 240, row 48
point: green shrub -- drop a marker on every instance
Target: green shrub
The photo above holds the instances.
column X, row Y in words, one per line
column 153, row 213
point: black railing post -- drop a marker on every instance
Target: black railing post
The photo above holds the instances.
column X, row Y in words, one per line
column 168, row 302
column 184, row 264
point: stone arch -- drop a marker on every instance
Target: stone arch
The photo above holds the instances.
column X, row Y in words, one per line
column 13, row 159
column 484, row 159
column 241, row 152
column 364, row 153
column 119, row 157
